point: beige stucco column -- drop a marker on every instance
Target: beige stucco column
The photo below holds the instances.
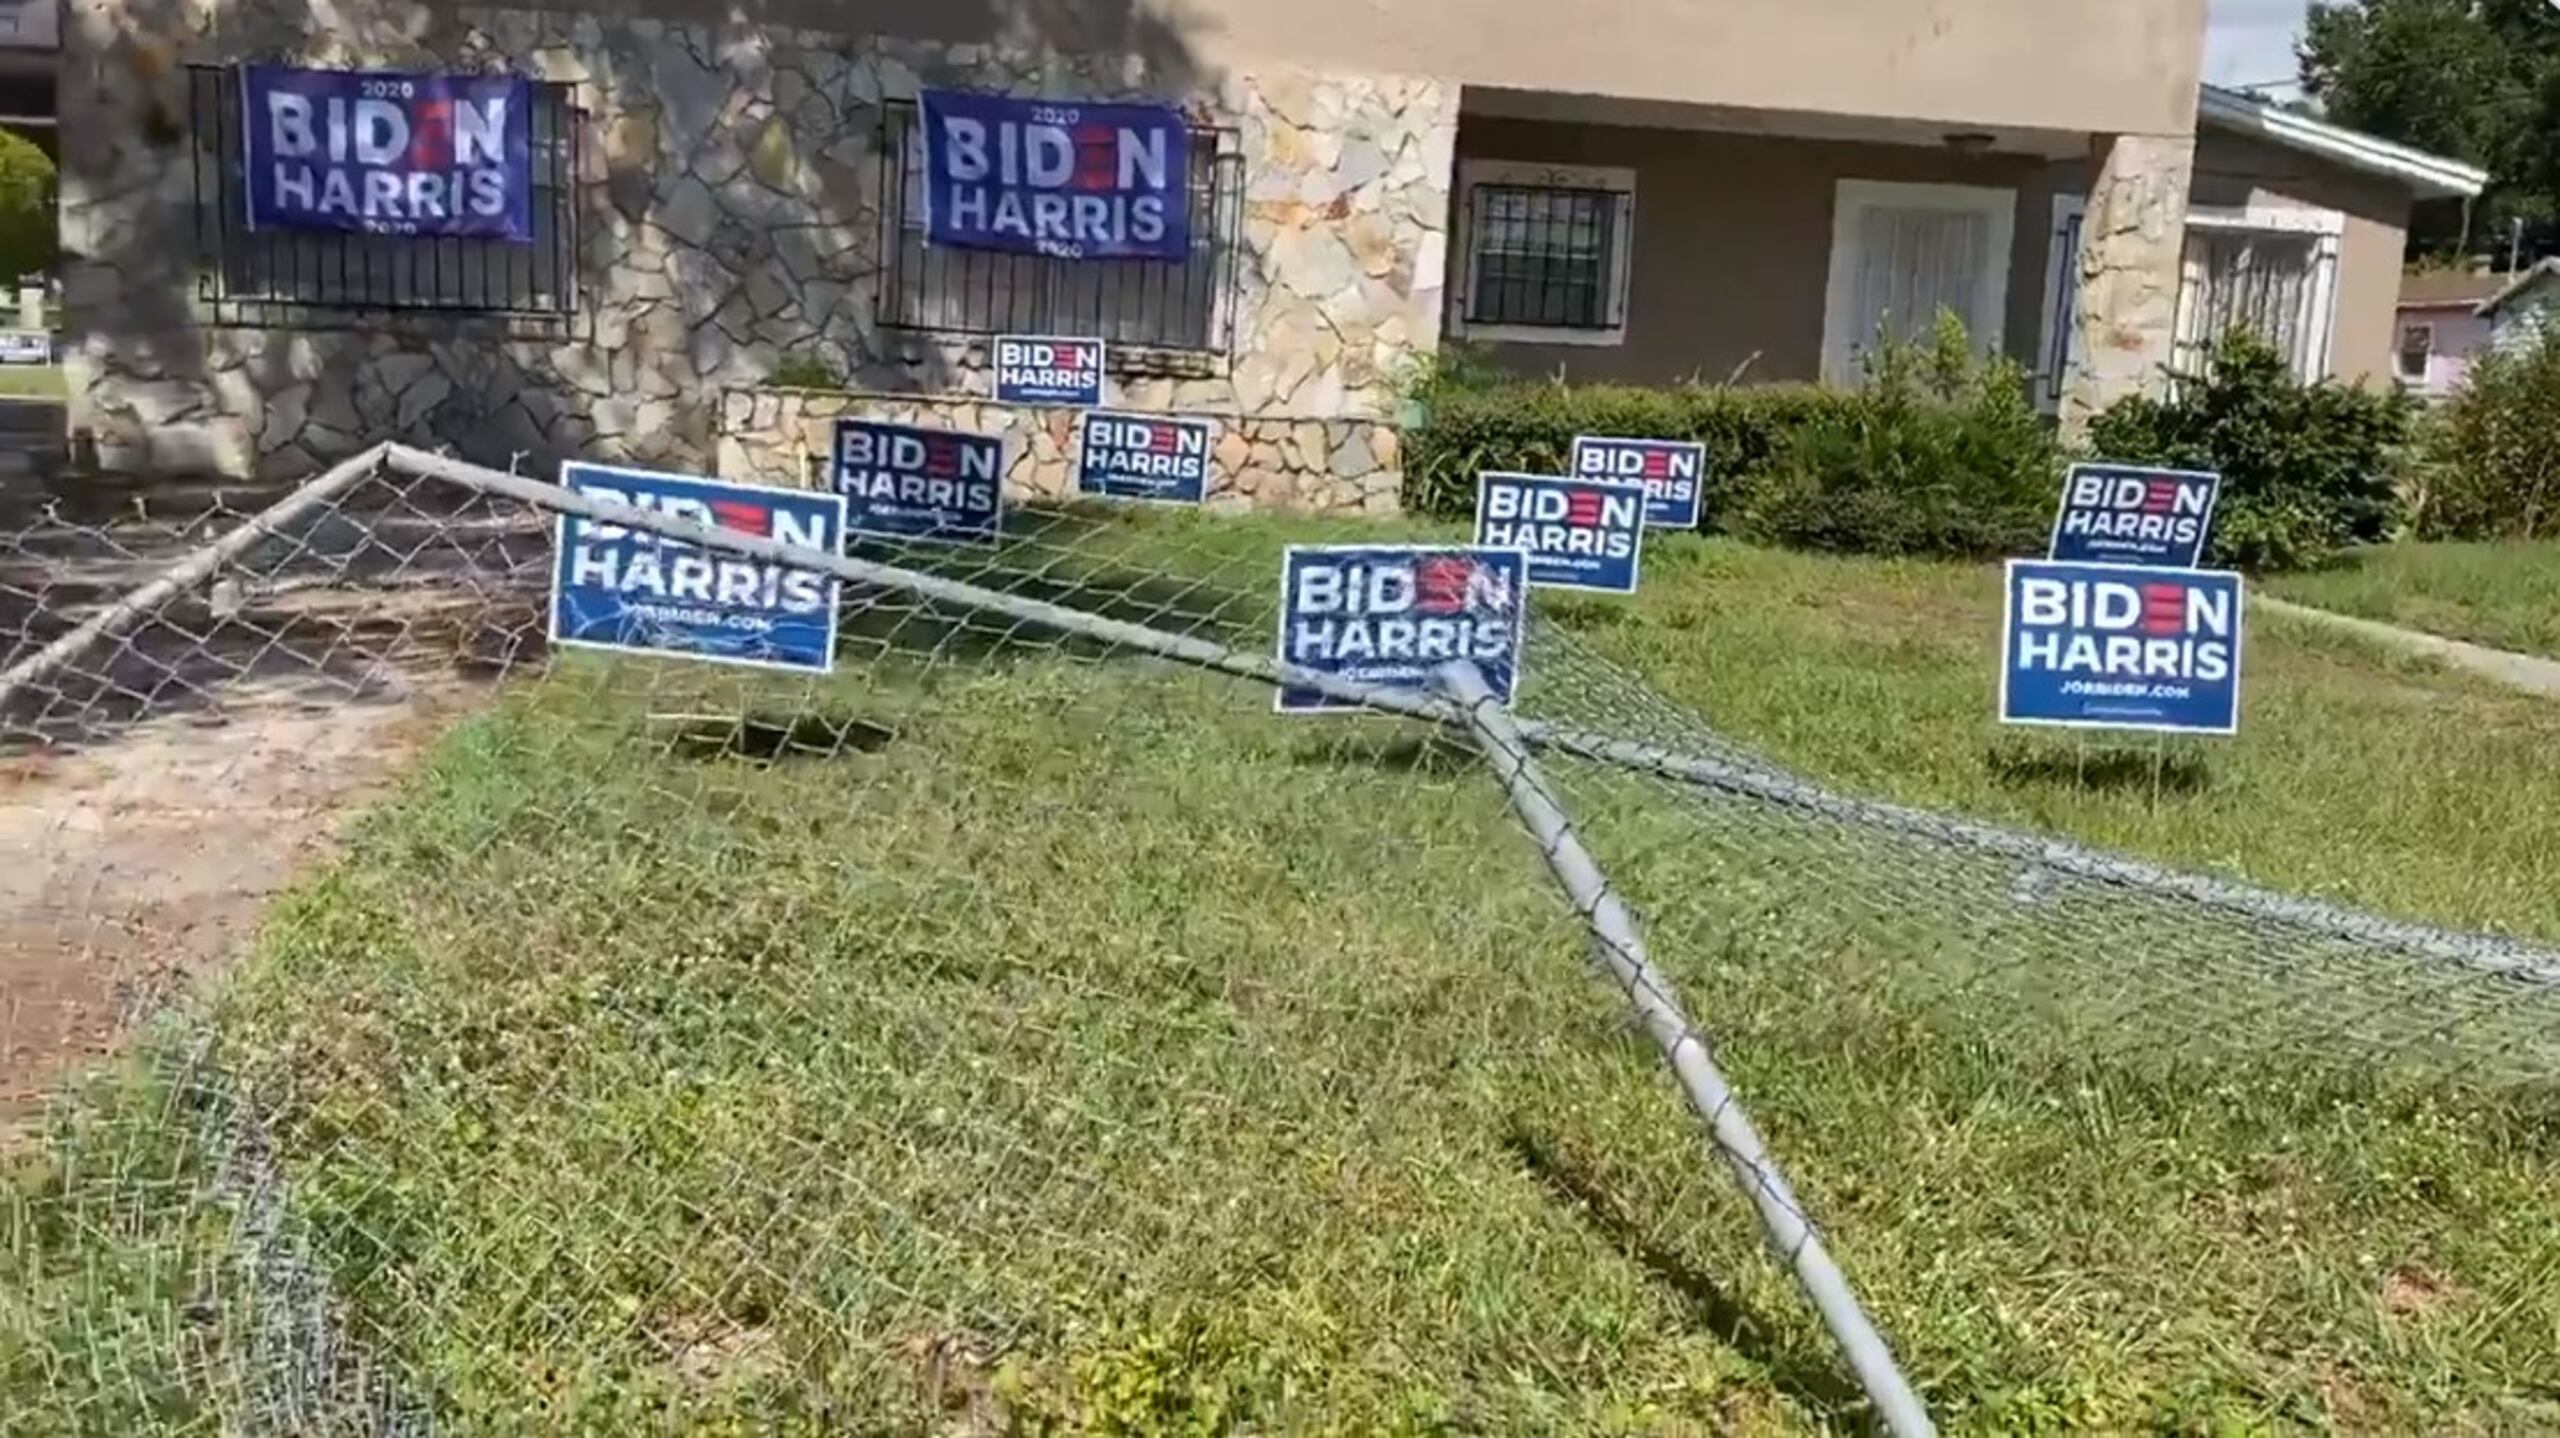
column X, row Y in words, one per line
column 2131, row 238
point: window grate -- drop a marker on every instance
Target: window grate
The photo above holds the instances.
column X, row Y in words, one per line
column 317, row 279
column 1172, row 312
column 1542, row 256
column 2267, row 283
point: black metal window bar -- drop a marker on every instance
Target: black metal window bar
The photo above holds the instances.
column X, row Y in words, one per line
column 1178, row 312
column 2264, row 282
column 1543, row 256
column 308, row 278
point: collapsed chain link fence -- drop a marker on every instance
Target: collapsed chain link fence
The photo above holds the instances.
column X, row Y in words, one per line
column 1023, row 1028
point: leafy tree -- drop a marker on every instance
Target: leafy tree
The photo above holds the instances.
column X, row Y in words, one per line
column 2478, row 80
column 27, row 231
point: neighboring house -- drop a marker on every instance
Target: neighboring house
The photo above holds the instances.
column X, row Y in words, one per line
column 2446, row 318
column 1645, row 190
column 2523, row 306
column 2440, row 327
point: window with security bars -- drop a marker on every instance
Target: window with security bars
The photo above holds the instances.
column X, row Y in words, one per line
column 1545, row 258
column 311, row 277
column 2417, row 346
column 2274, row 284
column 1144, row 306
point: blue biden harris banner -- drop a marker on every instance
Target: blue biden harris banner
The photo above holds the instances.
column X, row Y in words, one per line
column 1047, row 177
column 2121, row 646
column 638, row 592
column 388, row 154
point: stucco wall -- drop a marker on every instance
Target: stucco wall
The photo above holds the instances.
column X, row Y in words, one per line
column 2235, row 170
column 731, row 213
column 1732, row 243
column 2459, row 334
column 2055, row 64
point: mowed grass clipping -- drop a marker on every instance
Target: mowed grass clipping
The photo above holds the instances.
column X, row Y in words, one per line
column 2505, row 595
column 1075, row 1046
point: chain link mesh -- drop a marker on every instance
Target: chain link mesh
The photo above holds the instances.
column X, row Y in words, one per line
column 413, row 1027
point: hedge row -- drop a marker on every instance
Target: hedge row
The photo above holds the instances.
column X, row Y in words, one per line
column 1941, row 453
column 1938, row 453
column 1530, row 428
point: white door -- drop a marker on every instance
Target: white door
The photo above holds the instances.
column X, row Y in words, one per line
column 1902, row 252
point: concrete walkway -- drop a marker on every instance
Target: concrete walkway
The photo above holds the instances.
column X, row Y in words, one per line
column 2522, row 671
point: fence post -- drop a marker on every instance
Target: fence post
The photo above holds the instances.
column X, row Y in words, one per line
column 1618, row 944
column 190, row 571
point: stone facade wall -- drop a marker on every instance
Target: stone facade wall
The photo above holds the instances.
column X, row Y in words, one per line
column 730, row 208
column 2132, row 238
column 779, row 436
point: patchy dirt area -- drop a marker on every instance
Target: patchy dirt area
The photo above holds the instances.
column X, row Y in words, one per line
column 145, row 853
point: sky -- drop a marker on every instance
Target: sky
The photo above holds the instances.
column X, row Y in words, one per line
column 2250, row 41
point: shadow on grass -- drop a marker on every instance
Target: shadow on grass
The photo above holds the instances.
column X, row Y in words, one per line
column 767, row 738
column 1810, row 1379
column 1435, row 756
column 2112, row 770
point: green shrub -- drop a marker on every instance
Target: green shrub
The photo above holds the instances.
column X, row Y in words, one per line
column 2492, row 453
column 806, row 369
column 28, row 235
column 1529, row 426
column 2307, row 470
column 1939, row 453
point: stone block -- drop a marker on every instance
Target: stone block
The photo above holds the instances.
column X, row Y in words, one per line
column 161, row 401
column 421, row 397
column 1352, row 457
column 689, row 212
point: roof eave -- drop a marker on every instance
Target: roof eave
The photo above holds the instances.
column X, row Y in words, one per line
column 2428, row 177
column 2533, row 275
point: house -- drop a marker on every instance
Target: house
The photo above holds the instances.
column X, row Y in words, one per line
column 1646, row 191
column 2447, row 317
column 2522, row 306
column 2440, row 326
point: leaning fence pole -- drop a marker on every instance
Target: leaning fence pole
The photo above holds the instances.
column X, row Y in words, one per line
column 1621, row 947
column 190, row 571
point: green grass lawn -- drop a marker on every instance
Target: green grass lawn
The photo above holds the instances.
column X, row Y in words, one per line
column 2375, row 780
column 1077, row 1037
column 2505, row 595
column 32, row 382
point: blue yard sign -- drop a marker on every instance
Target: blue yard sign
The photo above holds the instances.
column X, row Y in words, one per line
column 388, row 154
column 907, row 481
column 2121, row 646
column 637, row 592
column 2133, row 514
column 1389, row 615
column 1032, row 370
column 1673, row 473
column 1059, row 178
column 1578, row 533
column 1129, row 456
